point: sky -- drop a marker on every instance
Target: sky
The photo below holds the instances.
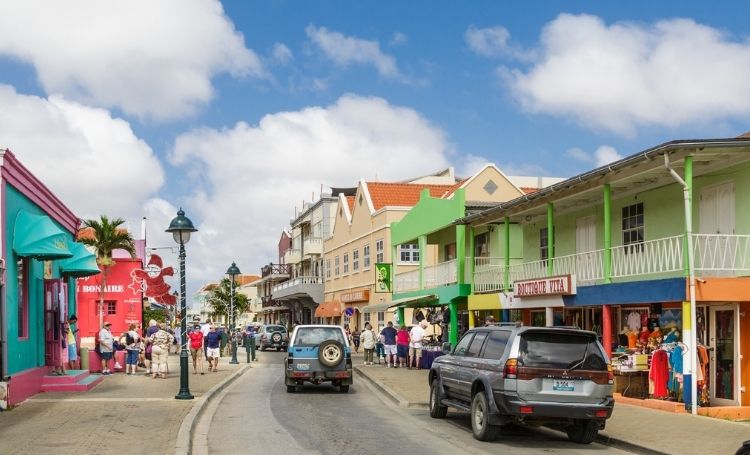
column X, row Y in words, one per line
column 239, row 111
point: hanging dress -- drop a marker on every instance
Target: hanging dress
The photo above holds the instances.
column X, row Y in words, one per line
column 659, row 373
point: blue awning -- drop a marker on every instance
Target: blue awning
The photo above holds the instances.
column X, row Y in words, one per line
column 36, row 236
column 83, row 263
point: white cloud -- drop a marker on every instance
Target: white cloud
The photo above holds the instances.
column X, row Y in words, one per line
column 622, row 76
column 149, row 59
column 93, row 162
column 493, row 42
column 281, row 53
column 247, row 192
column 603, row 155
column 345, row 50
column 398, row 39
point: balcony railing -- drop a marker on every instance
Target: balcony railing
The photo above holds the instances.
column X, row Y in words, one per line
column 489, row 274
column 298, row 281
column 648, row 258
column 275, row 269
column 293, row 256
column 407, row 281
column 719, row 254
column 434, row 275
column 313, row 245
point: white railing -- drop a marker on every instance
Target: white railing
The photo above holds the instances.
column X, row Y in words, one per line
column 407, row 281
column 648, row 258
column 528, row 270
column 587, row 267
column 440, row 274
column 489, row 274
column 720, row 254
column 293, row 256
column 313, row 245
column 298, row 281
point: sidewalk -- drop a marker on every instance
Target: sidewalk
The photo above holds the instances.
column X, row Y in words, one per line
column 630, row 427
column 122, row 414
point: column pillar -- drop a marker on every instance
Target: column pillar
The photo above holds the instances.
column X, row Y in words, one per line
column 453, row 335
column 549, row 316
column 461, row 253
column 422, row 240
column 550, row 239
column 607, row 329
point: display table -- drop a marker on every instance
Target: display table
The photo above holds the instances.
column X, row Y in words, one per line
column 632, row 383
column 428, row 357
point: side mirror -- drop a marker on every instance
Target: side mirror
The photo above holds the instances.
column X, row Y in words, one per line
column 447, row 348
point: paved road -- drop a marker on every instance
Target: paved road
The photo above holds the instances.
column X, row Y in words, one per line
column 256, row 412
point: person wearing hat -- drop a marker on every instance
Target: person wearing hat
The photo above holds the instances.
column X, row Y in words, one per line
column 106, row 346
column 416, row 335
column 489, row 321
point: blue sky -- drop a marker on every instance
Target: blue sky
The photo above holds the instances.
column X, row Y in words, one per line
column 239, row 114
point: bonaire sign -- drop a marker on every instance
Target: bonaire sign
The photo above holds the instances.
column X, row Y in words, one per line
column 554, row 285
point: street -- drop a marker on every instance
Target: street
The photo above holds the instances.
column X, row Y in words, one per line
column 256, row 412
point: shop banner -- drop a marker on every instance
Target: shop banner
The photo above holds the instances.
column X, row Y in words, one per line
column 383, row 283
column 554, row 285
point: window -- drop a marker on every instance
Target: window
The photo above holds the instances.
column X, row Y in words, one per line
column 379, row 252
column 538, row 318
column 450, row 251
column 632, row 227
column 111, row 306
column 336, row 262
column 409, row 252
column 366, row 257
column 23, row 300
column 381, row 320
column 328, row 268
column 482, row 245
column 476, row 344
column 543, row 244
column 496, row 345
column 546, row 350
column 463, row 345
column 366, row 317
column 346, row 262
column 355, row 260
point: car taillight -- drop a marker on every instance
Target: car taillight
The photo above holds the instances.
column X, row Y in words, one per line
column 610, row 375
column 526, row 410
column 602, row 413
column 511, row 369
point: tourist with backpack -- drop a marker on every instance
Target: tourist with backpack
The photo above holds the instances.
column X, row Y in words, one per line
column 133, row 347
column 106, row 345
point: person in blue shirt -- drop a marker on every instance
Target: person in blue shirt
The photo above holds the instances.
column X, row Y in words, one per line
column 213, row 348
column 389, row 344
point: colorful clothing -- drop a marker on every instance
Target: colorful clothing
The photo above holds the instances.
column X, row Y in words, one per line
column 659, row 373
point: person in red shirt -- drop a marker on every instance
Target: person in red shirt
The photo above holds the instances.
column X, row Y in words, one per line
column 196, row 347
column 402, row 345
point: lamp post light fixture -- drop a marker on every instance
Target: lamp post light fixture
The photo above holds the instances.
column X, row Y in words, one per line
column 233, row 271
column 181, row 227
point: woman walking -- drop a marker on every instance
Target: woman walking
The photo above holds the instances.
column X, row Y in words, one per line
column 160, row 341
column 133, row 348
column 355, row 340
column 367, row 339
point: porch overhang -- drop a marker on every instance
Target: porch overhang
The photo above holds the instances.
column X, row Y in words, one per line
column 36, row 236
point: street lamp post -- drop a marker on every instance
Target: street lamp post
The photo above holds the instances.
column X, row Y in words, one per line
column 181, row 227
column 233, row 271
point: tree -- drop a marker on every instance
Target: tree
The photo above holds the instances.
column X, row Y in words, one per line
column 107, row 236
column 219, row 300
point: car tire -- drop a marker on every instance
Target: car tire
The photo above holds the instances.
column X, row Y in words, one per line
column 437, row 410
column 344, row 388
column 583, row 431
column 330, row 353
column 278, row 349
column 291, row 388
column 276, row 337
column 480, row 419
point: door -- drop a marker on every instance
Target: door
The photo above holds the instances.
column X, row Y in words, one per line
column 450, row 373
column 55, row 309
column 586, row 243
column 724, row 355
column 716, row 247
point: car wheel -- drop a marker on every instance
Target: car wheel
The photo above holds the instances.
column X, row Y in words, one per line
column 276, row 338
column 437, row 411
column 330, row 353
column 278, row 349
column 291, row 388
column 480, row 418
column 583, row 431
column 344, row 388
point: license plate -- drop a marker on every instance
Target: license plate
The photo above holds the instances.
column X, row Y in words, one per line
column 303, row 366
column 563, row 386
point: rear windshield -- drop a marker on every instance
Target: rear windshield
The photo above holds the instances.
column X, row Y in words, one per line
column 275, row 328
column 558, row 350
column 313, row 336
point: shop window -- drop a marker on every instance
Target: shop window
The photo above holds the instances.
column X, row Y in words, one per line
column 23, row 299
column 379, row 251
column 111, row 306
column 366, row 257
column 355, row 260
column 328, row 268
column 543, row 244
column 450, row 251
column 409, row 252
column 632, row 228
column 346, row 263
column 482, row 245
column 336, row 262
column 538, row 318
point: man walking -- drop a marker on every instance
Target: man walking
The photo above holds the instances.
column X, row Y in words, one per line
column 415, row 343
column 213, row 348
column 389, row 343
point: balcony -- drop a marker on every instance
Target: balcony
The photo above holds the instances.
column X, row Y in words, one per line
column 293, row 256
column 714, row 255
column 441, row 274
column 313, row 246
column 275, row 269
column 299, row 288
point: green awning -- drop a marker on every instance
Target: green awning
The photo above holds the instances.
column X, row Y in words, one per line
column 83, row 262
column 418, row 301
column 36, row 236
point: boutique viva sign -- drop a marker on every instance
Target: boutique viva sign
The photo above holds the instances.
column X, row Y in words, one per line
column 554, row 285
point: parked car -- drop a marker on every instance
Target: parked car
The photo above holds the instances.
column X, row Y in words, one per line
column 272, row 336
column 316, row 354
column 556, row 376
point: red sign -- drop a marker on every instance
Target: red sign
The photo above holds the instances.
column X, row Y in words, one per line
column 362, row 295
column 555, row 285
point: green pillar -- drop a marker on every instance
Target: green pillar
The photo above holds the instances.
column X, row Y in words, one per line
column 506, row 272
column 607, row 233
column 422, row 249
column 453, row 336
column 394, row 261
column 472, row 259
column 550, row 238
column 461, row 253
column 401, row 316
column 688, row 177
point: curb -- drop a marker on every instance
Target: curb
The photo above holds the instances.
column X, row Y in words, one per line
column 184, row 443
column 390, row 393
column 617, row 443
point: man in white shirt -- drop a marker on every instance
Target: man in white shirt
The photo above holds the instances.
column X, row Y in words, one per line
column 415, row 343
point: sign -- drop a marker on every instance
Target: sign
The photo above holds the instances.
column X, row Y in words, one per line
column 349, row 311
column 555, row 285
column 362, row 295
column 383, row 281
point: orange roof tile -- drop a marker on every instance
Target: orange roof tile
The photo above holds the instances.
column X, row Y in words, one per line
column 88, row 233
column 385, row 194
column 527, row 190
column 245, row 279
column 350, row 201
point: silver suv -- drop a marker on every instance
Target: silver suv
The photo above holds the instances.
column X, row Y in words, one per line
column 556, row 376
column 272, row 336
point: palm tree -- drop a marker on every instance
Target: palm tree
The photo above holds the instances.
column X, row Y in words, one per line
column 220, row 300
column 107, row 237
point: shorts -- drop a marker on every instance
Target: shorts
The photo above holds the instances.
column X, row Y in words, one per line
column 415, row 352
column 131, row 358
column 195, row 352
column 390, row 349
column 72, row 353
column 106, row 355
column 213, row 352
column 402, row 350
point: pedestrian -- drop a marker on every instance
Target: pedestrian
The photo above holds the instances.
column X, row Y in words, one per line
column 70, row 335
column 368, row 342
column 142, row 351
column 416, row 335
column 153, row 327
column 196, row 347
column 106, row 347
column 133, row 346
column 489, row 321
column 355, row 340
column 224, row 339
column 249, row 341
column 205, row 328
column 213, row 347
column 389, row 344
column 160, row 341
column 379, row 348
column 402, row 345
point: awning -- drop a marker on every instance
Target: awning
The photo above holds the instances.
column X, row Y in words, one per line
column 83, row 262
column 328, row 309
column 374, row 308
column 417, row 301
column 36, row 236
column 271, row 309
